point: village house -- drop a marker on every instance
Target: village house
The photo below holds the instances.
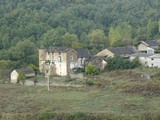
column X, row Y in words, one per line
column 98, row 61
column 154, row 60
column 148, row 60
column 142, row 57
column 28, row 72
column 57, row 60
column 82, row 56
column 148, row 47
column 121, row 51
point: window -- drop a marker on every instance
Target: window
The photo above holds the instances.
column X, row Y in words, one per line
column 59, row 59
column 152, row 64
column 71, row 58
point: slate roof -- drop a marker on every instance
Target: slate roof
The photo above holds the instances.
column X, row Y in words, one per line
column 25, row 70
column 122, row 50
column 141, row 55
column 97, row 61
column 84, row 53
column 152, row 43
column 58, row 49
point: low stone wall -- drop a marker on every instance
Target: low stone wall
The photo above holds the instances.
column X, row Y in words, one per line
column 79, row 75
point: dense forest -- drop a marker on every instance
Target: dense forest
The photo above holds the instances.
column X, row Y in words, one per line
column 26, row 25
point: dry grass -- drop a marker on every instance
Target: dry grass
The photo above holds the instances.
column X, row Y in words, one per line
column 126, row 96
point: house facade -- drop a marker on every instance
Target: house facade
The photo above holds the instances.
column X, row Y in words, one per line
column 154, row 61
column 57, row 61
column 148, row 47
column 82, row 56
column 142, row 57
column 121, row 51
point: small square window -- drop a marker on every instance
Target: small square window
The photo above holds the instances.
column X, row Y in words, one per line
column 59, row 59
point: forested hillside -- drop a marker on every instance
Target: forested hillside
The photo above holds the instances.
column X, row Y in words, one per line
column 26, row 25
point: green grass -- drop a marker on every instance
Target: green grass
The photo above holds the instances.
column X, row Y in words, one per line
column 111, row 100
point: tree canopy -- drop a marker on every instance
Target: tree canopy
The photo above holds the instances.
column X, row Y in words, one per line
column 27, row 25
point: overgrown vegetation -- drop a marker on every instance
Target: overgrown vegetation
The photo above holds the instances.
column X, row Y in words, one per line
column 27, row 25
column 125, row 95
column 119, row 63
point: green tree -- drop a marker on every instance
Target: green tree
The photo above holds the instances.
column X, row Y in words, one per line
column 21, row 78
column 71, row 40
column 51, row 38
column 98, row 39
column 3, row 76
column 23, row 50
column 152, row 28
column 34, row 67
column 120, row 35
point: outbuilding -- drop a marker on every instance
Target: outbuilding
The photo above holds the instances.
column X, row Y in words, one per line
column 28, row 72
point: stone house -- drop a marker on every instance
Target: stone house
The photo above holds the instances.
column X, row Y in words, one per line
column 57, row 60
column 121, row 51
column 29, row 73
column 98, row 61
column 148, row 47
column 82, row 56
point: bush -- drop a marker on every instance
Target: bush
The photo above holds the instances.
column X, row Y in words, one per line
column 90, row 82
column 91, row 70
column 119, row 63
column 21, row 77
column 79, row 70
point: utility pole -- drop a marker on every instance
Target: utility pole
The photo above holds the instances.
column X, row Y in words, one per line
column 49, row 70
column 48, row 74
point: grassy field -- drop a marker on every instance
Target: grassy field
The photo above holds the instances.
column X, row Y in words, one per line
column 121, row 95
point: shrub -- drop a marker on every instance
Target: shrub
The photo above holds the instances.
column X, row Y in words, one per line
column 119, row 63
column 91, row 70
column 21, row 77
column 89, row 82
column 79, row 70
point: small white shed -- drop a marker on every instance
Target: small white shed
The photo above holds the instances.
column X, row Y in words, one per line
column 27, row 71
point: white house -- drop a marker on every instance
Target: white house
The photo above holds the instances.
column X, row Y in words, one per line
column 154, row 60
column 142, row 57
